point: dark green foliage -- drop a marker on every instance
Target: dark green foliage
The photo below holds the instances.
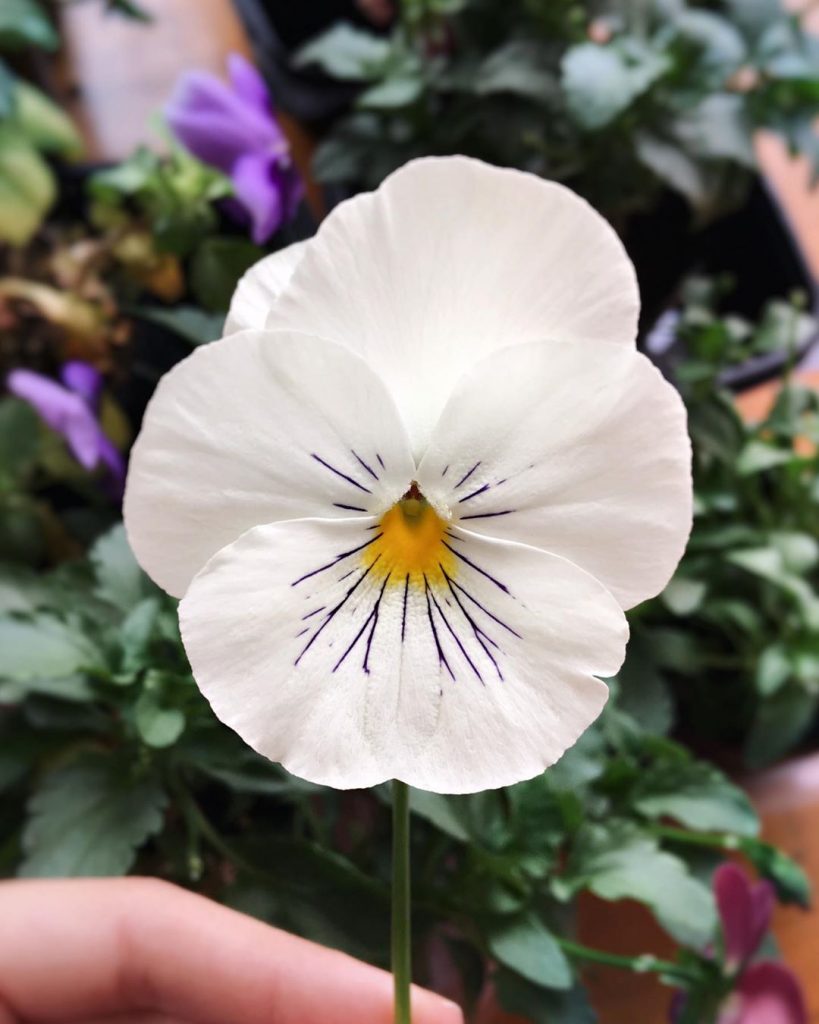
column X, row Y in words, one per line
column 617, row 99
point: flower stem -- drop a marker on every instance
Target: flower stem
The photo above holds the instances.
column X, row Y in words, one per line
column 647, row 963
column 401, row 930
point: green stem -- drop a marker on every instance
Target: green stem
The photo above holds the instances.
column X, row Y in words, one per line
column 638, row 964
column 401, row 931
column 721, row 840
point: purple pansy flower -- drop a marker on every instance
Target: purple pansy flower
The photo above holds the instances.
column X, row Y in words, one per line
column 232, row 127
column 70, row 409
column 766, row 992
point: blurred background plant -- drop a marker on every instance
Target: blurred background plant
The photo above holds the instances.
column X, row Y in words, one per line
column 110, row 759
column 619, row 100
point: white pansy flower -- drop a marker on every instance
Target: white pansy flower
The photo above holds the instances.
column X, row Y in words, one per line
column 407, row 501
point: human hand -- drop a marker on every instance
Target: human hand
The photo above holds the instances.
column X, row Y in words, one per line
column 141, row 951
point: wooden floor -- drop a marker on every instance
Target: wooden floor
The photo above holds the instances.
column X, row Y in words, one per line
column 119, row 75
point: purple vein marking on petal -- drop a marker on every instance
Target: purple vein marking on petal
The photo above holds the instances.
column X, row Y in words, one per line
column 338, row 472
column 315, row 611
column 369, row 469
column 366, row 663
column 341, row 579
column 441, row 656
column 474, row 494
column 301, row 632
column 482, row 637
column 489, row 515
column 358, row 508
column 477, row 568
column 371, row 618
column 455, row 636
column 336, row 560
column 334, row 611
column 446, row 467
column 486, row 611
column 404, row 608
column 380, row 461
column 466, row 475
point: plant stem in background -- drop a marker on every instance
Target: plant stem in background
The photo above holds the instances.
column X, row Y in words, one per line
column 674, row 974
column 401, row 931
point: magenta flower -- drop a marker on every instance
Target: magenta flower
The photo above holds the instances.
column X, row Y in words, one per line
column 233, row 128
column 766, row 992
column 745, row 910
column 70, row 409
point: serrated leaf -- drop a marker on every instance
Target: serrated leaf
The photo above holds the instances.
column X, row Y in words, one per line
column 190, row 322
column 26, row 23
column 620, row 862
column 89, row 819
column 601, row 82
column 27, row 187
column 701, row 799
column 527, row 947
column 43, row 647
column 120, row 581
column 346, row 52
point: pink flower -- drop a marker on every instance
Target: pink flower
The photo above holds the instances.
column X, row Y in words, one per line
column 745, row 910
column 768, row 993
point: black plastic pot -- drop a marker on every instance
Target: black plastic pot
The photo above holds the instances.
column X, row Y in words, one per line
column 754, row 245
column 277, row 29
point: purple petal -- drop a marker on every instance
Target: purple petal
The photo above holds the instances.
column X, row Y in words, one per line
column 769, row 993
column 260, row 193
column 745, row 910
column 216, row 124
column 84, row 380
column 62, row 410
column 248, row 83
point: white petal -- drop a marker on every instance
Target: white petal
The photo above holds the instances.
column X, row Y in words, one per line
column 577, row 448
column 259, row 288
column 320, row 661
column 252, row 429
column 449, row 260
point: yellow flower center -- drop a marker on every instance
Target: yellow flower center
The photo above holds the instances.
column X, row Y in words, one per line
column 412, row 546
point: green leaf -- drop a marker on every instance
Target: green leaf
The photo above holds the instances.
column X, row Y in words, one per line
column 43, row 123
column 42, row 647
column 135, row 635
column 619, row 862
column 19, row 440
column 769, row 564
column 683, row 596
column 27, row 187
column 540, row 1005
column 520, row 67
column 70, row 688
column 601, row 82
column 157, row 726
column 190, row 322
column 346, row 52
column 391, row 93
column 757, row 456
column 700, row 798
column 773, row 669
column 443, row 812
column 676, row 168
column 528, row 948
column 791, row 883
column 89, row 819
column 120, row 581
column 780, row 723
column 718, row 128
column 25, row 23
column 216, row 268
